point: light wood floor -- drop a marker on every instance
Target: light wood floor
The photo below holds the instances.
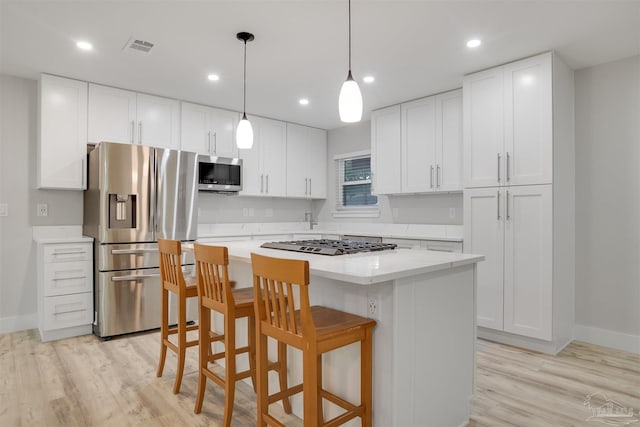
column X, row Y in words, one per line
column 84, row 382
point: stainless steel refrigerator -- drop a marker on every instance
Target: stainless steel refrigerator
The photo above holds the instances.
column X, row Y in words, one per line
column 136, row 194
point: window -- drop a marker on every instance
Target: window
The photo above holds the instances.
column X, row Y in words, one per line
column 353, row 193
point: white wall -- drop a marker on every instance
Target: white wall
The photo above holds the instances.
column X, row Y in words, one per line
column 221, row 209
column 18, row 115
column 608, row 203
column 405, row 209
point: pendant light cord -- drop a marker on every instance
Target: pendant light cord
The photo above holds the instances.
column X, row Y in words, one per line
column 349, row 36
column 244, row 102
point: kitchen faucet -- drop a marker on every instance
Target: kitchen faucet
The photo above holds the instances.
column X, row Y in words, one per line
column 308, row 216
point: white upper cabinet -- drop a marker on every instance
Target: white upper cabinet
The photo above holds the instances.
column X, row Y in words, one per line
column 428, row 156
column 62, row 133
column 207, row 130
column 508, row 129
column 263, row 165
column 528, row 129
column 306, row 162
column 385, row 150
column 118, row 115
column 418, row 147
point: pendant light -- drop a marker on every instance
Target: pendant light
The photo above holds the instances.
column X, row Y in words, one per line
column 350, row 100
column 244, row 132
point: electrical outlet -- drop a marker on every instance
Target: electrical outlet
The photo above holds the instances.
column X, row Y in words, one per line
column 43, row 209
column 250, row 211
column 245, row 212
column 373, row 307
column 452, row 212
column 4, row 209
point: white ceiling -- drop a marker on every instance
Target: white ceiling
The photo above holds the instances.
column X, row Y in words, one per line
column 413, row 48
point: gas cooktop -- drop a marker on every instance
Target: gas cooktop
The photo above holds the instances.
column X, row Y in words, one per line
column 328, row 247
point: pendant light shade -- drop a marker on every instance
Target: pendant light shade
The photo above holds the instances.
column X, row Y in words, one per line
column 244, row 134
column 350, row 99
column 244, row 131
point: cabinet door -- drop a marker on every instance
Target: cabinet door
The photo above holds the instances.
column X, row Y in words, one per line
column 158, row 121
column 483, row 129
column 297, row 161
column 222, row 124
column 385, row 151
column 273, row 141
column 195, row 133
column 528, row 261
column 449, row 141
column 252, row 175
column 418, row 134
column 112, row 115
column 62, row 133
column 484, row 234
column 528, row 121
column 317, row 161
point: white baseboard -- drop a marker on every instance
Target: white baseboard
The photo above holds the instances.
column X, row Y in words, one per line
column 18, row 323
column 607, row 338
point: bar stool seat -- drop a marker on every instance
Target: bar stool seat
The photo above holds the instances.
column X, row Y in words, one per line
column 313, row 330
column 173, row 280
column 215, row 293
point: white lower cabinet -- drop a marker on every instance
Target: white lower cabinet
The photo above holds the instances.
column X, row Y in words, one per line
column 428, row 245
column 65, row 289
column 513, row 228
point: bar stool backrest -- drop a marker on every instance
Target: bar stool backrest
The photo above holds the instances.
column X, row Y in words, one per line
column 170, row 265
column 279, row 280
column 212, row 272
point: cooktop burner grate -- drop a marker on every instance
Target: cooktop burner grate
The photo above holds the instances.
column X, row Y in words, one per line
column 328, row 247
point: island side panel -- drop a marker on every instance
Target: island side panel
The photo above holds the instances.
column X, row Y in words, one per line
column 434, row 343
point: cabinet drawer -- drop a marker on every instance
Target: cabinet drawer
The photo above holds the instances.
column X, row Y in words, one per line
column 67, row 252
column 67, row 278
column 404, row 243
column 67, row 310
column 440, row 246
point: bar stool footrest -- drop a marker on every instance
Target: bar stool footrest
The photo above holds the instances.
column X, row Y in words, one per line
column 285, row 393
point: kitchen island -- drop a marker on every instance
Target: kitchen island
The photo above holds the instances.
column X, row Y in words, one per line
column 423, row 354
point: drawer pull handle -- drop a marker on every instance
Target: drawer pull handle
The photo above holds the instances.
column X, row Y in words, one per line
column 133, row 251
column 55, row 279
column 56, row 313
column 57, row 252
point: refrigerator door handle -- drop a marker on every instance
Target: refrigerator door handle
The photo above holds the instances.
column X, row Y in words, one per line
column 152, row 195
column 134, row 277
column 133, row 251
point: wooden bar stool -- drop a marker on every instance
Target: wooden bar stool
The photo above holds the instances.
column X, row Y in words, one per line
column 314, row 331
column 173, row 281
column 215, row 293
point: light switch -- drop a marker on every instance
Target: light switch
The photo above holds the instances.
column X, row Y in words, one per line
column 4, row 209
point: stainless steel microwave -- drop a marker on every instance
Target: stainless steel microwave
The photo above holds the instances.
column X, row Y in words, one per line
column 220, row 174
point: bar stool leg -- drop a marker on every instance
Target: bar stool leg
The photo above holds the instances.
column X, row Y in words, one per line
column 366, row 374
column 164, row 328
column 203, row 349
column 230, row 368
column 182, row 342
column 310, row 387
column 319, row 393
column 263, row 380
column 251, row 339
column 282, row 374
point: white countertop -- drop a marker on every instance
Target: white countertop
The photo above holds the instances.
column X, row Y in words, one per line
column 447, row 233
column 364, row 268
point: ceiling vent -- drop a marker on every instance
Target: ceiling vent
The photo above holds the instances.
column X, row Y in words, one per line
column 138, row 46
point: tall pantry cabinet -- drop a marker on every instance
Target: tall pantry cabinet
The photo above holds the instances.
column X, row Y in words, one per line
column 519, row 200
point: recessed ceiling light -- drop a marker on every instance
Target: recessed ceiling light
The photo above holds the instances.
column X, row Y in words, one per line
column 213, row 77
column 474, row 43
column 84, row 45
column 303, row 101
column 368, row 79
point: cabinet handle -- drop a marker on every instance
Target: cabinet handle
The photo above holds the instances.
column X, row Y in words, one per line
column 140, row 132
column 215, row 142
column 498, row 167
column 508, row 167
column 262, row 183
column 55, row 313
column 309, row 186
column 306, row 186
column 431, row 179
column 508, row 216
column 133, row 130
column 438, row 176
column 267, row 187
column 498, row 205
column 56, row 279
column 209, row 138
column 68, row 251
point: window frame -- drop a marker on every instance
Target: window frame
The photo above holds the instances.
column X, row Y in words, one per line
column 351, row 211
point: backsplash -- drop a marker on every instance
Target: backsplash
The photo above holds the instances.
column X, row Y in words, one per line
column 216, row 208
